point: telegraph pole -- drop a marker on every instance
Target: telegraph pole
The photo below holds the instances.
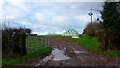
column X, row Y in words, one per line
column 90, row 14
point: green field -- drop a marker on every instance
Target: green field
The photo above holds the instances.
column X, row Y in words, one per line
column 50, row 35
column 35, row 49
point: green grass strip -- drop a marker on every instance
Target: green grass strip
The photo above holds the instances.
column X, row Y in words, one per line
column 93, row 44
column 26, row 57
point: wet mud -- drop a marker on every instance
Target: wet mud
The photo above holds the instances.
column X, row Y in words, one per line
column 68, row 53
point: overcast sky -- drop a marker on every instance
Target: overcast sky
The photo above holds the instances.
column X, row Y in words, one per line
column 46, row 17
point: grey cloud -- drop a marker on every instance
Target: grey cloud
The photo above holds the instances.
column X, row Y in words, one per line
column 50, row 11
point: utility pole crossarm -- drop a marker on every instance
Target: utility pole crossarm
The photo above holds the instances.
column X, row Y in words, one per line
column 90, row 14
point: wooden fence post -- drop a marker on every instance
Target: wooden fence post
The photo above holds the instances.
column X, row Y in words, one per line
column 23, row 45
column 49, row 41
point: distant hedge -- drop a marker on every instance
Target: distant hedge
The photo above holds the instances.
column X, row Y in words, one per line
column 13, row 40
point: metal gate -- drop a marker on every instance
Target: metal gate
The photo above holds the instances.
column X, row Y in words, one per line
column 34, row 43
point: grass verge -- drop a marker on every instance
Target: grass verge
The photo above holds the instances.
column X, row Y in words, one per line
column 93, row 44
column 41, row 49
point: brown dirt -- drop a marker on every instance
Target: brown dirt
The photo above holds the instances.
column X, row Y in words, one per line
column 88, row 58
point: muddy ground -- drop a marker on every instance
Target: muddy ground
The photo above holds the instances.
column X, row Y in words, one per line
column 74, row 55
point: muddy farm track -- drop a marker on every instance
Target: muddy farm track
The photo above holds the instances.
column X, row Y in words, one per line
column 69, row 53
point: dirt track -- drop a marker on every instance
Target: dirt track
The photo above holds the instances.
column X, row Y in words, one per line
column 87, row 58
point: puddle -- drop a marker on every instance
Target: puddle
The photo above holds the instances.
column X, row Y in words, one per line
column 59, row 55
column 64, row 48
column 56, row 55
column 78, row 52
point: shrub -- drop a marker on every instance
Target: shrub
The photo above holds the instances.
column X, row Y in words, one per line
column 91, row 29
column 13, row 40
